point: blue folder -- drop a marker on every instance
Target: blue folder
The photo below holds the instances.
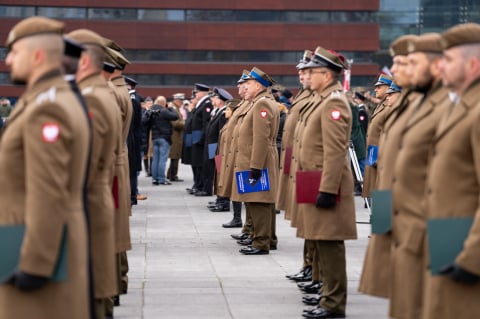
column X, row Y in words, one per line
column 244, row 183
column 372, row 155
column 212, row 150
column 11, row 239
column 188, row 140
column 446, row 237
column 197, row 136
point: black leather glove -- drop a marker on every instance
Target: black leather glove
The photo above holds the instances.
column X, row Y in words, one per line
column 459, row 274
column 326, row 200
column 26, row 282
column 254, row 176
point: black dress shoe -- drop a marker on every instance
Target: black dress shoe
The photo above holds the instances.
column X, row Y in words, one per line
column 116, row 301
column 232, row 224
column 300, row 273
column 202, row 193
column 191, row 191
column 249, row 250
column 245, row 242
column 240, row 236
column 306, row 276
column 320, row 312
column 312, row 300
column 312, row 289
column 220, row 208
column 302, row 285
column 164, row 183
column 273, row 247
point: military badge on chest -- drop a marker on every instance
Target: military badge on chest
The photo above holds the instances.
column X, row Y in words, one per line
column 50, row 132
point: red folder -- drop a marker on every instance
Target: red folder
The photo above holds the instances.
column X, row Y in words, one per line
column 116, row 197
column 307, row 185
column 218, row 162
column 288, row 161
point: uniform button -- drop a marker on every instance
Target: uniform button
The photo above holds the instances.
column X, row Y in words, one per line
column 395, row 212
column 394, row 179
column 429, row 190
column 434, row 152
column 397, row 244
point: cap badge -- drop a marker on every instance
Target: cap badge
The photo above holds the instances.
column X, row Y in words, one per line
column 208, row 110
column 263, row 114
column 336, row 115
column 50, row 132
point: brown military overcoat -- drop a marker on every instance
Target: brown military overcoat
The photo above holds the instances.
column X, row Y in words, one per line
column 453, row 190
column 323, row 147
column 106, row 128
column 376, row 275
column 377, row 121
column 284, row 193
column 43, row 160
column 408, row 220
column 177, row 136
column 255, row 145
column 122, row 213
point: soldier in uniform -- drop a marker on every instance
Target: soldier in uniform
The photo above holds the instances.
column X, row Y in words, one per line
column 177, row 139
column 216, row 123
column 375, row 277
column 323, row 142
column 410, row 169
column 106, row 129
column 43, row 165
column 452, row 187
column 121, row 183
column 200, row 117
column 392, row 94
column 255, row 149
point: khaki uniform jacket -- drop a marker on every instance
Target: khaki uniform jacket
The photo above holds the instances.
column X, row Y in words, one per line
column 453, row 189
column 122, row 213
column 255, row 145
column 105, row 131
column 377, row 121
column 323, row 146
column 43, row 161
column 177, row 136
column 376, row 276
column 284, row 194
column 225, row 176
column 408, row 220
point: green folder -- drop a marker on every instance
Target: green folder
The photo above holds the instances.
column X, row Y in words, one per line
column 381, row 211
column 446, row 237
column 11, row 238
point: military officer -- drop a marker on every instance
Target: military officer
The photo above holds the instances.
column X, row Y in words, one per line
column 255, row 149
column 392, row 94
column 43, row 165
column 410, row 169
column 177, row 139
column 452, row 187
column 375, row 277
column 200, row 117
column 323, row 144
column 121, row 179
column 106, row 129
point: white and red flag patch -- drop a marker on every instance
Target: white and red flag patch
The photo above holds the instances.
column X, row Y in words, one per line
column 263, row 114
column 50, row 132
column 336, row 115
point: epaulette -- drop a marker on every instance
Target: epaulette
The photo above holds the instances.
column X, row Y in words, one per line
column 47, row 96
column 335, row 94
column 87, row 90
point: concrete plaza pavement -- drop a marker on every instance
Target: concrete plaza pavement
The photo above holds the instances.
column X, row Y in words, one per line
column 185, row 265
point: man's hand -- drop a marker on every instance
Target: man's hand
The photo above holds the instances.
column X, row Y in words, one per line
column 326, row 200
column 254, row 176
column 26, row 282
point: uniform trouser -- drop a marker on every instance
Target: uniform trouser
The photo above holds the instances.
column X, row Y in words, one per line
column 248, row 226
column 133, row 186
column 308, row 249
column 316, row 270
column 173, row 169
column 331, row 259
column 197, row 177
column 262, row 224
column 208, row 175
column 100, row 308
column 122, row 280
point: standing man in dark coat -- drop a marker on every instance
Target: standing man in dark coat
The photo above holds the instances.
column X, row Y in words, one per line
column 200, row 117
column 177, row 139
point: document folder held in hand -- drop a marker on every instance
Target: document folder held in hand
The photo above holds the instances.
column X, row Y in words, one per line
column 446, row 237
column 307, row 186
column 381, row 211
column 11, row 238
column 288, row 161
column 212, row 149
column 218, row 162
column 372, row 155
column 244, row 183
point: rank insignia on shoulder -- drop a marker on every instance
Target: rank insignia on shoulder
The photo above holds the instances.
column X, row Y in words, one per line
column 335, row 115
column 50, row 132
column 87, row 90
column 263, row 113
column 335, row 94
column 47, row 96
